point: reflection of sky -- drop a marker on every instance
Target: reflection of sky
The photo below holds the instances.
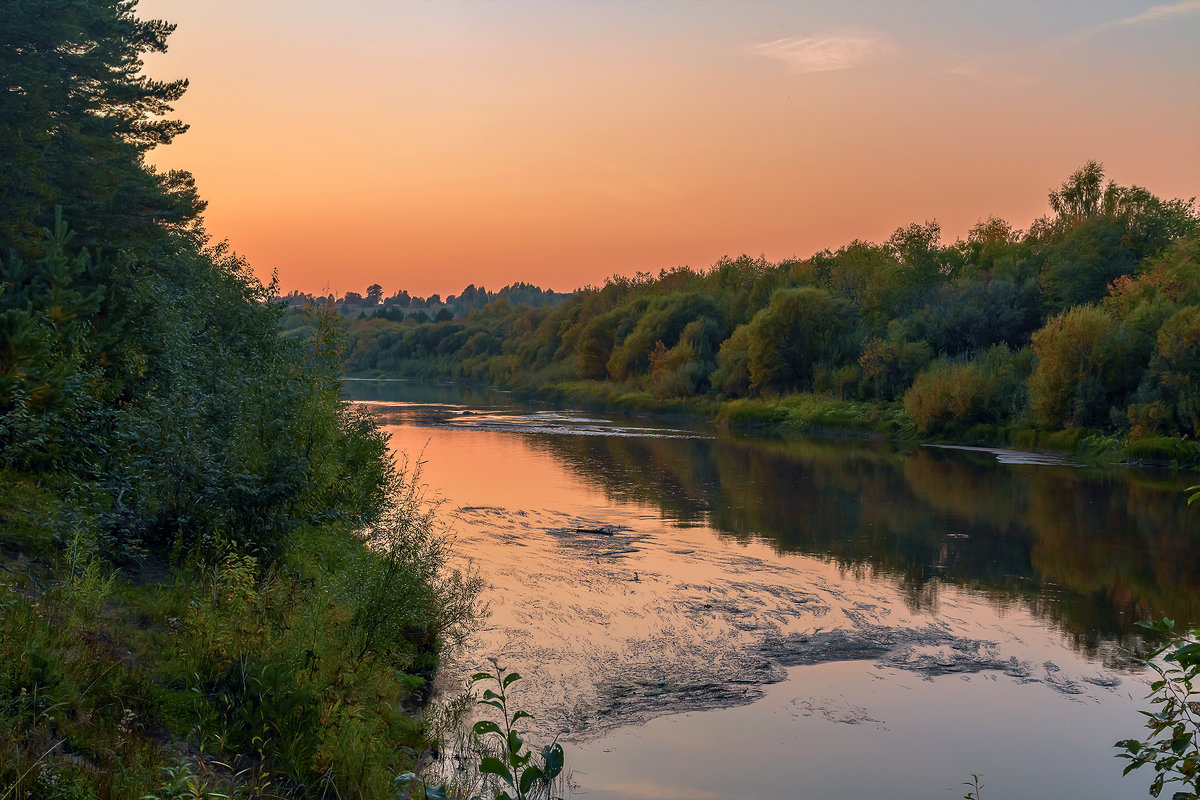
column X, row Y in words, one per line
column 536, row 422
column 428, row 145
column 576, row 611
column 849, row 730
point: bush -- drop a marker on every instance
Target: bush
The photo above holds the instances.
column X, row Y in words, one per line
column 799, row 330
column 731, row 378
column 663, row 321
column 946, row 392
column 1087, row 363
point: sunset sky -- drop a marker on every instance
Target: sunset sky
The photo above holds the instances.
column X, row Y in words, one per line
column 428, row 145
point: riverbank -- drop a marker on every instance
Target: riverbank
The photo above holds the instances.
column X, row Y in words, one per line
column 822, row 414
column 203, row 679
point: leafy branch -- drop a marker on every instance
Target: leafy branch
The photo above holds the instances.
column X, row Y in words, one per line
column 1172, row 746
column 519, row 769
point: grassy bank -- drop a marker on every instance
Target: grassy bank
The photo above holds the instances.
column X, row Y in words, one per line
column 194, row 678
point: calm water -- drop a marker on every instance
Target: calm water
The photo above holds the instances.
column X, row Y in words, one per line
column 707, row 615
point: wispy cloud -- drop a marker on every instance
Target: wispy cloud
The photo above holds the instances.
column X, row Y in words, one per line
column 1005, row 69
column 1013, row 68
column 825, row 52
column 1158, row 12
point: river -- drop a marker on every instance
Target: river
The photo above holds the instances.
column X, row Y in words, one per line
column 703, row 614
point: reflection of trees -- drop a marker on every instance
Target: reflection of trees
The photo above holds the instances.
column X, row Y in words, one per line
column 1092, row 552
column 1129, row 546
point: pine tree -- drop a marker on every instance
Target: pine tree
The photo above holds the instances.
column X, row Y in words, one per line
column 77, row 118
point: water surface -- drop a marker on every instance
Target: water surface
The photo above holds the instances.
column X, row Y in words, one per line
column 700, row 614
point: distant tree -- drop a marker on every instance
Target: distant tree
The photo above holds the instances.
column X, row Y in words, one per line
column 353, row 299
column 923, row 261
column 298, row 299
column 471, row 297
column 374, row 294
column 1177, row 367
column 865, row 275
column 443, row 315
column 1082, row 263
column 663, row 321
column 1081, row 195
column 399, row 299
column 798, row 330
column 889, row 366
column 1101, row 233
column 389, row 313
column 594, row 346
column 732, row 375
column 969, row 315
column 684, row 370
column 991, row 232
column 1088, row 363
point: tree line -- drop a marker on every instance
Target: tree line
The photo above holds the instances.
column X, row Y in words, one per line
column 401, row 304
column 1090, row 318
column 214, row 578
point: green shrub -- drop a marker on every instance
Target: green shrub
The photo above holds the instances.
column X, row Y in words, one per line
column 1088, row 362
column 799, row 330
column 946, row 392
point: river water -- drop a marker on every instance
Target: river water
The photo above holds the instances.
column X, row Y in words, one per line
column 700, row 614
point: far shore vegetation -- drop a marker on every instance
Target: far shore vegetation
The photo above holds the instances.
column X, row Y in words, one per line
column 1080, row 333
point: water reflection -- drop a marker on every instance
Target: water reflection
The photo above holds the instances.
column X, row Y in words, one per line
column 732, row 557
column 1092, row 550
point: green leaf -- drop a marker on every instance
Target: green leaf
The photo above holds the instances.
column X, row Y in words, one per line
column 490, row 695
column 480, row 676
column 521, row 715
column 493, row 703
column 511, row 677
column 486, row 726
column 1187, row 655
column 528, row 777
column 552, row 757
column 514, row 742
column 494, row 766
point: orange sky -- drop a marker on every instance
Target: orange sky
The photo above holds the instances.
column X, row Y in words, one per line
column 428, row 145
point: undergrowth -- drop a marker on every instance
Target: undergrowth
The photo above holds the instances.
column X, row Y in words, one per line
column 219, row 677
